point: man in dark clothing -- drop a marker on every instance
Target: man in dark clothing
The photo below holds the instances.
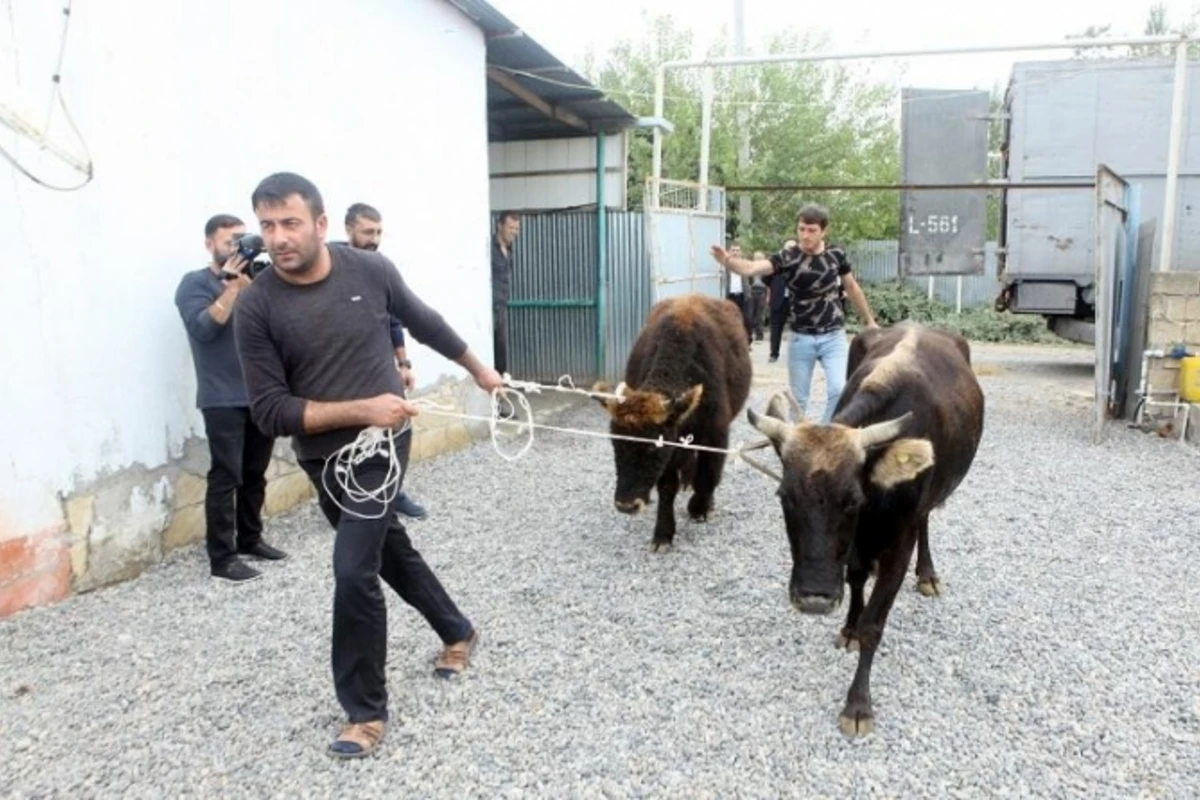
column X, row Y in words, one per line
column 815, row 276
column 508, row 225
column 757, row 301
column 364, row 230
column 238, row 451
column 777, row 303
column 313, row 337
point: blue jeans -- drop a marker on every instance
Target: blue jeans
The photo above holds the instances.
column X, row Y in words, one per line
column 804, row 351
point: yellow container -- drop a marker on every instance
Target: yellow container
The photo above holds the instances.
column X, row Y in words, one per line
column 1189, row 379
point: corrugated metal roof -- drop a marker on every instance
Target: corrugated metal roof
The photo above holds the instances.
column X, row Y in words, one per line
column 521, row 69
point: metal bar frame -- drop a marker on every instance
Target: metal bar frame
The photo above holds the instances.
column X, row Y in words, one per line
column 1175, row 144
column 904, row 187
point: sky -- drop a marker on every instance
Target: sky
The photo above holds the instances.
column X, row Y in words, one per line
column 567, row 28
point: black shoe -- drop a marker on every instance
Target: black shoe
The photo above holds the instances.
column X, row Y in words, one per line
column 409, row 507
column 264, row 551
column 236, row 572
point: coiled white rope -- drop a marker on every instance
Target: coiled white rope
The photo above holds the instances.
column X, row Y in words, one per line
column 372, row 441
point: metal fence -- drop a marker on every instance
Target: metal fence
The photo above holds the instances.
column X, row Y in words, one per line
column 553, row 323
column 878, row 261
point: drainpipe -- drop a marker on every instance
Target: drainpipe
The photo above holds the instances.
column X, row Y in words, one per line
column 601, row 259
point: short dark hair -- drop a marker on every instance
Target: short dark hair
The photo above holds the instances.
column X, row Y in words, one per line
column 362, row 210
column 275, row 189
column 506, row 215
column 216, row 223
column 813, row 215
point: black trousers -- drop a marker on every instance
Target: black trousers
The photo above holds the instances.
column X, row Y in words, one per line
column 237, row 486
column 365, row 550
column 757, row 301
column 500, row 336
column 778, row 320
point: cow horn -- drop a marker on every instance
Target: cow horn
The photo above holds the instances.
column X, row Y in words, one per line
column 883, row 432
column 774, row 429
column 797, row 409
column 775, row 407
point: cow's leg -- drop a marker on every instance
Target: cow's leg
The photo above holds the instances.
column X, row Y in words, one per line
column 856, row 576
column 664, row 525
column 709, row 468
column 927, row 579
column 856, row 717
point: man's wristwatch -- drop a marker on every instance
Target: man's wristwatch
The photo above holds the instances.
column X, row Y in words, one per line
column 404, row 363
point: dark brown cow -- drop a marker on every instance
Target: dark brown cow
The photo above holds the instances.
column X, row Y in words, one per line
column 858, row 491
column 688, row 374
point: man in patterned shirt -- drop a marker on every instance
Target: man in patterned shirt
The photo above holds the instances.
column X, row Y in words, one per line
column 815, row 275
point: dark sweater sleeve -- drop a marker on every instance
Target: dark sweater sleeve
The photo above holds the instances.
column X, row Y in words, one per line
column 273, row 408
column 397, row 333
column 425, row 324
column 193, row 298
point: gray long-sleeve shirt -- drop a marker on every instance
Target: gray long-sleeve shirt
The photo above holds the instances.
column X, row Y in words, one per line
column 219, row 381
column 329, row 341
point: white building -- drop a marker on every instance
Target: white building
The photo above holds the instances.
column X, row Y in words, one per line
column 183, row 108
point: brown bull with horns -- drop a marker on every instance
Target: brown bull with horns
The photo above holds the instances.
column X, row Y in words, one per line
column 688, row 375
column 858, row 492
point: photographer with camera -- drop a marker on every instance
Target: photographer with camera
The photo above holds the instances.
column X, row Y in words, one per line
column 239, row 451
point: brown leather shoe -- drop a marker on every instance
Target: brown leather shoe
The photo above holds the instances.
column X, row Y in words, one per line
column 357, row 739
column 455, row 657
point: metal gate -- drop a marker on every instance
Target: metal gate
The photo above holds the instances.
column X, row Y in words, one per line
column 1117, row 229
column 681, row 231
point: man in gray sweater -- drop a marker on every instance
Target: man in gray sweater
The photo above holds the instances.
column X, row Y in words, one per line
column 239, row 452
column 316, row 351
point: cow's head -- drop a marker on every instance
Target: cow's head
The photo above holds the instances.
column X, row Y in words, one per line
column 828, row 472
column 644, row 414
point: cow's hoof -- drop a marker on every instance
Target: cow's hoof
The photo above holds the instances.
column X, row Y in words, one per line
column 856, row 723
column 847, row 641
column 699, row 508
column 657, row 546
column 929, row 587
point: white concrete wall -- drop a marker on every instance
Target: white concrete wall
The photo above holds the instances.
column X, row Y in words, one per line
column 185, row 107
column 556, row 173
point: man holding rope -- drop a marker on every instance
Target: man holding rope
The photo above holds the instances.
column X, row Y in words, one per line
column 313, row 337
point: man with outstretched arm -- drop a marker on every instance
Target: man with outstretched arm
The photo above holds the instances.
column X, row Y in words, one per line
column 317, row 355
column 812, row 272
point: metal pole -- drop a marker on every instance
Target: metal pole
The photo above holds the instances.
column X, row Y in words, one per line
column 706, row 105
column 745, row 202
column 601, row 257
column 930, row 287
column 784, row 58
column 660, row 88
column 958, row 289
column 1174, row 147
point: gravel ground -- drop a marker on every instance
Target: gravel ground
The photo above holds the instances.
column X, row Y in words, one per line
column 1060, row 661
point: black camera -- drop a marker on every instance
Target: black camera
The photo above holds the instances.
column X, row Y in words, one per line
column 249, row 247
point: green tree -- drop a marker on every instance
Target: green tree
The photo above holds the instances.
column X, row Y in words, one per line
column 809, row 123
column 1157, row 24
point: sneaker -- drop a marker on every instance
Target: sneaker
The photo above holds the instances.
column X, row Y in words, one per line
column 410, row 508
column 455, row 657
column 264, row 551
column 235, row 571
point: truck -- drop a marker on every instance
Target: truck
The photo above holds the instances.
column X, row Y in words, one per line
column 1062, row 119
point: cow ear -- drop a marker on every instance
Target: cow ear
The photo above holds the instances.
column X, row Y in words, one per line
column 684, row 404
column 902, row 461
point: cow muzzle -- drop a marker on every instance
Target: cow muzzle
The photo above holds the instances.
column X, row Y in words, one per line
column 816, row 604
